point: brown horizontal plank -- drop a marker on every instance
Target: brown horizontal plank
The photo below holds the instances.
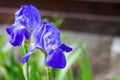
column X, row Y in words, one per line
column 107, row 1
column 7, row 15
column 91, row 7
column 92, row 26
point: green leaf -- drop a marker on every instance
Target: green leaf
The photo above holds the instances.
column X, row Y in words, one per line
column 71, row 75
column 86, row 63
column 3, row 73
column 1, row 41
column 83, row 70
column 22, row 50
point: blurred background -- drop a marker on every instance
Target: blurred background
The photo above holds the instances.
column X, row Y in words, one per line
column 96, row 23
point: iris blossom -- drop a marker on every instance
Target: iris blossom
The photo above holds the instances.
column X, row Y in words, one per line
column 47, row 38
column 26, row 19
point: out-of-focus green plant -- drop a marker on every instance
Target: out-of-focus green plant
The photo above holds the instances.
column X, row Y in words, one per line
column 117, row 77
column 1, row 41
column 56, row 20
column 10, row 68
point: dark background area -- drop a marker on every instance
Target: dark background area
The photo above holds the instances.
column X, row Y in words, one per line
column 91, row 16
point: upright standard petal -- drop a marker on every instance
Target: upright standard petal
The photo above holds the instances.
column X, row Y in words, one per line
column 28, row 15
column 47, row 36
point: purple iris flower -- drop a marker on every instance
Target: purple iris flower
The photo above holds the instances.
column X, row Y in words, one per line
column 47, row 38
column 26, row 19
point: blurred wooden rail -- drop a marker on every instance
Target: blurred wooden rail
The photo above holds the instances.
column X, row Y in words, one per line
column 93, row 12
column 5, row 12
column 108, row 1
column 110, row 7
column 106, row 10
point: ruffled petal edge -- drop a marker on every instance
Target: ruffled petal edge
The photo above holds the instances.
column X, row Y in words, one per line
column 65, row 48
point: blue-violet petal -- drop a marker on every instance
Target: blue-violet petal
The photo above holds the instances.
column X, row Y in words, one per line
column 56, row 59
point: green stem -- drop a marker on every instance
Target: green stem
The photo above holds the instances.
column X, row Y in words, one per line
column 48, row 73
column 27, row 64
column 27, row 71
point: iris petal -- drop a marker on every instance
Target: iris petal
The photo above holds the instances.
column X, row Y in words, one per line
column 65, row 48
column 56, row 59
column 16, row 38
column 30, row 51
column 47, row 35
column 10, row 29
column 25, row 59
column 28, row 16
column 26, row 33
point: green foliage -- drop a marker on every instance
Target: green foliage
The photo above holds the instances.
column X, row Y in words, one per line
column 117, row 77
column 1, row 41
column 56, row 20
column 10, row 68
